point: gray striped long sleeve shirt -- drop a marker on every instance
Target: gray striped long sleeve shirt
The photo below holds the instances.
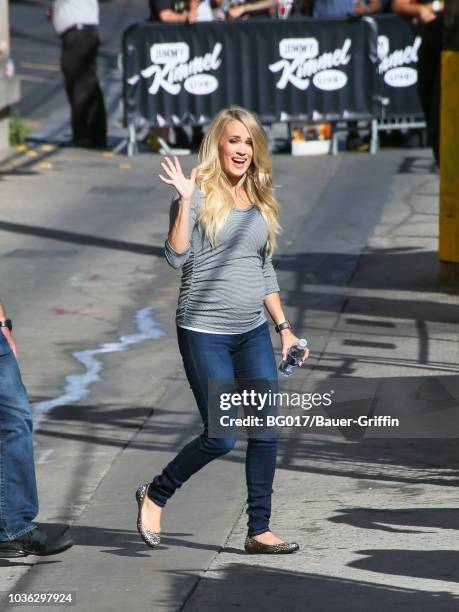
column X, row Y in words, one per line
column 223, row 288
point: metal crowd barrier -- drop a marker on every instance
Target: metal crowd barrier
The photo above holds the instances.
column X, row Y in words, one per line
column 288, row 71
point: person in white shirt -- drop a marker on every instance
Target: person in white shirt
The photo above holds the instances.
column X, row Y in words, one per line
column 76, row 23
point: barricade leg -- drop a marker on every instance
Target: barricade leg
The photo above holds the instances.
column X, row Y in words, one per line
column 334, row 147
column 269, row 135
column 374, row 143
column 132, row 141
column 335, row 139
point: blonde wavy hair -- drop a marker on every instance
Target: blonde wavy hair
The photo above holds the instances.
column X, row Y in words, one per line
column 257, row 181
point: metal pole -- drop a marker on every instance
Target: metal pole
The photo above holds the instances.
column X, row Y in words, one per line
column 9, row 84
column 132, row 141
column 374, row 143
column 4, row 29
column 4, row 54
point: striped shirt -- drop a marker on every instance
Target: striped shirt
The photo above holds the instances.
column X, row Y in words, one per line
column 223, row 288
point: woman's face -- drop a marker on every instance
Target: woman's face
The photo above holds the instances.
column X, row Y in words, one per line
column 235, row 150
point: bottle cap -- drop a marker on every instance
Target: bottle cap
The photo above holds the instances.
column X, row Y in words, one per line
column 302, row 343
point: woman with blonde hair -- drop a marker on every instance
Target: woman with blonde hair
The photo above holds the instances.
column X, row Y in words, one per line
column 223, row 235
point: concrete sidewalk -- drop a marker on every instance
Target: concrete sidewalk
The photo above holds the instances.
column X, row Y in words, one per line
column 358, row 272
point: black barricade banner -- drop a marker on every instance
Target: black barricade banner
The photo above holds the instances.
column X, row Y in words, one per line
column 298, row 69
column 398, row 46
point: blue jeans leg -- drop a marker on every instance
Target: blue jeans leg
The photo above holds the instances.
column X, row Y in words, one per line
column 254, row 359
column 204, row 356
column 18, row 488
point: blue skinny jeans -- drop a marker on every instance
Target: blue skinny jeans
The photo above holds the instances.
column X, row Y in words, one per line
column 18, row 488
column 225, row 356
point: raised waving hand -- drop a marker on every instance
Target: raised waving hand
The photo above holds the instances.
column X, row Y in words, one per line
column 175, row 177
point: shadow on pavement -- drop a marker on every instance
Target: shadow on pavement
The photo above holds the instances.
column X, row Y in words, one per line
column 427, row 564
column 400, row 520
column 379, row 268
column 249, row 587
column 15, row 164
column 126, row 543
column 85, row 239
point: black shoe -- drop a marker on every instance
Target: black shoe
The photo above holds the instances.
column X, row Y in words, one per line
column 95, row 145
column 35, row 542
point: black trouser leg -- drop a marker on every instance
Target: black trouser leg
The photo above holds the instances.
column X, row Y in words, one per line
column 429, row 82
column 78, row 62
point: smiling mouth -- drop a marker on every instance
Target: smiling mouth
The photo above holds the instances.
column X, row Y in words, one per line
column 238, row 161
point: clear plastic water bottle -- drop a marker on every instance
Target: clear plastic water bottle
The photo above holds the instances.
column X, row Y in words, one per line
column 294, row 356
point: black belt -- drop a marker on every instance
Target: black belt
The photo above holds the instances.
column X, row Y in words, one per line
column 79, row 26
